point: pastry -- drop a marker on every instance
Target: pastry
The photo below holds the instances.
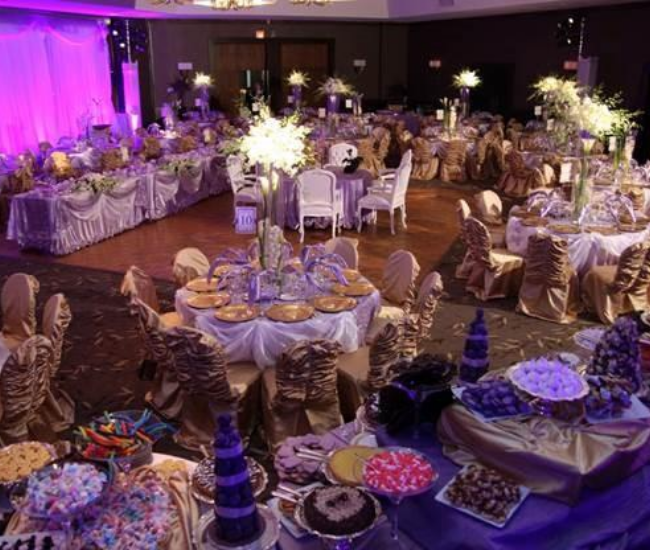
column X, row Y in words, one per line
column 22, row 459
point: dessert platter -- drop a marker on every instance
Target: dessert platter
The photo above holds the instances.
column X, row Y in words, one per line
column 20, row 460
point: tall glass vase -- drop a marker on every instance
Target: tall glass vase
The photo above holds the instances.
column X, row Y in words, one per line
column 333, row 104
column 296, row 92
column 464, row 101
column 582, row 189
column 204, row 96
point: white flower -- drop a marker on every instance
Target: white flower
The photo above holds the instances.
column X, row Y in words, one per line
column 467, row 79
column 202, row 80
column 336, row 86
column 298, row 78
column 593, row 116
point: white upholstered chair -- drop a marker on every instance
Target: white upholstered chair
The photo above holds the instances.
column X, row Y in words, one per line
column 245, row 189
column 318, row 196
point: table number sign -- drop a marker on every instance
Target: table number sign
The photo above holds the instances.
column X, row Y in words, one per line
column 565, row 172
column 348, row 104
column 440, row 114
column 550, row 125
column 246, row 220
column 538, row 110
column 322, row 112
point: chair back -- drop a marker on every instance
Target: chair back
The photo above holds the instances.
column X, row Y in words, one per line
column 153, row 334
column 235, row 170
column 429, row 293
column 18, row 302
column 316, row 192
column 56, row 320
column 406, row 160
column 137, row 284
column 384, row 353
column 401, row 185
column 489, row 207
column 409, row 327
column 306, row 374
column 463, row 211
column 189, row 264
column 479, row 241
column 547, row 261
column 339, row 152
column 346, row 248
column 24, row 382
column 515, row 164
column 400, row 273
column 629, row 267
column 200, row 363
column 421, row 151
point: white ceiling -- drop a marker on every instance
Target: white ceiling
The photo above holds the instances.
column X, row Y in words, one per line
column 377, row 10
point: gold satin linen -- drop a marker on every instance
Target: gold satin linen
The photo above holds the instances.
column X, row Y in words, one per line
column 550, row 457
column 400, row 273
column 518, row 180
column 425, row 164
column 453, row 162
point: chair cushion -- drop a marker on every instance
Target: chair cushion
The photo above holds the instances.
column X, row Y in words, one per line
column 376, row 200
column 171, row 320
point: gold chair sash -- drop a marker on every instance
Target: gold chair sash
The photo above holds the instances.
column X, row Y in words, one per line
column 384, row 353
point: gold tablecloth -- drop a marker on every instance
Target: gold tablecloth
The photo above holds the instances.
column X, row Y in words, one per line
column 550, row 457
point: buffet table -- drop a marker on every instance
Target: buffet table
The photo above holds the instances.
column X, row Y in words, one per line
column 586, row 250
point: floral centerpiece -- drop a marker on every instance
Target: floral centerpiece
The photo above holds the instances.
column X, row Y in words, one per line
column 202, row 83
column 95, row 183
column 624, row 123
column 297, row 80
column 560, row 97
column 465, row 81
column 181, row 167
column 333, row 89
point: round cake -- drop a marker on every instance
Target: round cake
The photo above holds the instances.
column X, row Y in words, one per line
column 339, row 511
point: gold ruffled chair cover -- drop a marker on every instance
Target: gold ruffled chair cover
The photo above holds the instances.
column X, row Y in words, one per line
column 137, row 284
column 610, row 290
column 453, row 162
column 550, row 289
column 345, row 247
column 18, row 301
column 518, row 180
column 550, row 457
column 464, row 269
column 425, row 163
column 24, row 382
column 165, row 395
column 489, row 209
column 496, row 273
column 366, row 370
column 299, row 395
column 58, row 409
column 189, row 264
column 22, row 179
column 426, row 305
column 409, row 342
column 209, row 387
column 373, row 151
column 398, row 281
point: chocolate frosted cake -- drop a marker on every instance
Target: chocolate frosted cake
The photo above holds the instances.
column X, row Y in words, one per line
column 236, row 517
column 339, row 510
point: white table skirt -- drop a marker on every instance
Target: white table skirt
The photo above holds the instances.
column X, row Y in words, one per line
column 263, row 340
column 586, row 250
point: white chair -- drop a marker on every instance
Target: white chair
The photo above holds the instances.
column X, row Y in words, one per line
column 388, row 175
column 389, row 197
column 319, row 197
column 339, row 152
column 245, row 189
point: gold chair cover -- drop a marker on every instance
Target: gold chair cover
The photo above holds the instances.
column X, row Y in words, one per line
column 425, row 163
column 464, row 269
column 609, row 291
column 200, row 363
column 345, row 247
column 18, row 301
column 550, row 289
column 518, row 180
column 548, row 456
column 151, row 148
column 488, row 207
column 299, row 395
column 137, row 284
column 24, row 382
column 366, row 370
column 370, row 162
column 410, row 331
column 165, row 395
column 429, row 296
column 496, row 273
column 189, row 264
column 58, row 409
column 453, row 162
column 400, row 274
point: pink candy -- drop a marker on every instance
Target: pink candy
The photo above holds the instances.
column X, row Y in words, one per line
column 398, row 473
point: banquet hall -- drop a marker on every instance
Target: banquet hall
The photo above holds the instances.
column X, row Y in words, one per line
column 302, row 274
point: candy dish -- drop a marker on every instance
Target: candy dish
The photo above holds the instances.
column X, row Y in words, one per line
column 292, row 467
column 416, row 474
column 443, row 498
column 345, row 466
column 205, row 538
column 550, row 381
column 523, row 410
column 20, row 460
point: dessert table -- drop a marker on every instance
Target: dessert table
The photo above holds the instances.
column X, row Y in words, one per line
column 586, row 250
column 353, row 188
column 263, row 340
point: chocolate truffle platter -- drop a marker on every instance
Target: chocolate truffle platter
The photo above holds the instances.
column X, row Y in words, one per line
column 484, row 494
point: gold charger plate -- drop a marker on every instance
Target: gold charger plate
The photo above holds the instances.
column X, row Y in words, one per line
column 601, row 229
column 632, row 228
column 334, row 304
column 202, row 285
column 351, row 275
column 534, row 221
column 354, row 289
column 208, row 301
column 564, row 228
column 290, row 313
column 239, row 313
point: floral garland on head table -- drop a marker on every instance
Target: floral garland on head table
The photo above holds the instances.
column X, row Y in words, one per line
column 181, row 167
column 95, row 183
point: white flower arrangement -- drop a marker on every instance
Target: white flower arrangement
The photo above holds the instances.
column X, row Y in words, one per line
column 298, row 78
column 556, row 91
column 95, row 183
column 181, row 166
column 202, row 81
column 336, row 86
column 280, row 143
column 593, row 116
column 467, row 79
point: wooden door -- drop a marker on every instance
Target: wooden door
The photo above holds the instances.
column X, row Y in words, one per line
column 230, row 63
column 312, row 58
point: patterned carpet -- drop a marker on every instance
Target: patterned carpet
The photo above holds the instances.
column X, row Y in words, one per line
column 103, row 353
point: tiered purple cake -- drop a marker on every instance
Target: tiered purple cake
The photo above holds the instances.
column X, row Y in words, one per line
column 235, row 510
column 475, row 361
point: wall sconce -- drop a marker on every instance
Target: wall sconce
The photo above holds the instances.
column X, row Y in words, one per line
column 435, row 64
column 359, row 65
column 260, row 34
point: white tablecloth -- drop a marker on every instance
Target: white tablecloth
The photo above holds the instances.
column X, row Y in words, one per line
column 586, row 250
column 263, row 340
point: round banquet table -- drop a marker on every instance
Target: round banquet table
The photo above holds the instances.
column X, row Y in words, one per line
column 353, row 187
column 263, row 340
column 586, row 250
